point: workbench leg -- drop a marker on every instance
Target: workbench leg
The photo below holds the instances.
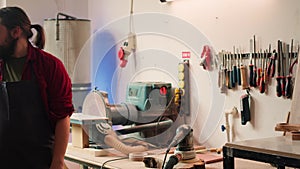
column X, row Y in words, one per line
column 228, row 161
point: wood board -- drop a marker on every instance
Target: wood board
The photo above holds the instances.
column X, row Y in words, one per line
column 210, row 158
column 90, row 152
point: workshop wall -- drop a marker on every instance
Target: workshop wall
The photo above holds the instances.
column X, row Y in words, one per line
column 164, row 31
column 38, row 10
column 224, row 24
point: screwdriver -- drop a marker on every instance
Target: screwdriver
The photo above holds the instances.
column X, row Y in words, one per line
column 254, row 68
column 288, row 88
column 229, row 72
column 234, row 71
column 283, row 68
column 243, row 75
column 239, row 69
column 271, row 63
column 278, row 78
column 262, row 79
column 251, row 65
column 234, row 67
column 259, row 69
column 267, row 61
column 225, row 70
column 232, row 77
column 222, row 75
column 266, row 76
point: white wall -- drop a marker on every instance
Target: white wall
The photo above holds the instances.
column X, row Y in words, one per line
column 2, row 3
column 38, row 10
column 225, row 24
column 221, row 24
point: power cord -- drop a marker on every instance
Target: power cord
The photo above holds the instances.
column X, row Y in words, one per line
column 163, row 164
column 173, row 160
column 116, row 159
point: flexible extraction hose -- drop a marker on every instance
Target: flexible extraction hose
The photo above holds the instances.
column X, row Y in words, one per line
column 114, row 142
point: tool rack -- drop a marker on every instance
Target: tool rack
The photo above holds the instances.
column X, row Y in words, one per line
column 257, row 68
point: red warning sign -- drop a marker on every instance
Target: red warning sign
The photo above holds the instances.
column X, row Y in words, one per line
column 186, row 55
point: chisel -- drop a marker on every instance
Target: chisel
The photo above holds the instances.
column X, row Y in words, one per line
column 251, row 65
column 288, row 88
column 222, row 74
column 243, row 75
column 266, row 76
column 262, row 76
column 259, row 69
column 233, row 72
column 226, row 71
column 229, row 71
column 239, row 69
column 234, row 67
column 283, row 68
column 272, row 64
column 267, row 62
column 278, row 78
column 254, row 68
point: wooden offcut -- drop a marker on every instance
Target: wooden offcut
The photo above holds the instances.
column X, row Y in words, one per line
column 80, row 138
column 293, row 128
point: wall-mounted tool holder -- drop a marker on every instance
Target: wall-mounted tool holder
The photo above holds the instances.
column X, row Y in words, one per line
column 260, row 69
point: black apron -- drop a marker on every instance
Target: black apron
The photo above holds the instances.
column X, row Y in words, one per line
column 26, row 137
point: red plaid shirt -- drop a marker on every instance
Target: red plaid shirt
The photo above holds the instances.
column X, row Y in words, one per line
column 53, row 80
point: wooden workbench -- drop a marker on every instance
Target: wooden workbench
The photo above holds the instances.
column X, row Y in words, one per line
column 87, row 158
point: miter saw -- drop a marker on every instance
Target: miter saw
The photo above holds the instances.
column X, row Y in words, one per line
column 149, row 110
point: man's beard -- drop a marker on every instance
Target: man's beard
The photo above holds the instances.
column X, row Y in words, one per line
column 8, row 49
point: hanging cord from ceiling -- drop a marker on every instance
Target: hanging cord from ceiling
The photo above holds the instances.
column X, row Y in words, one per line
column 131, row 27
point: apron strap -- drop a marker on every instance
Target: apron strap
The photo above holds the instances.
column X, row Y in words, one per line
column 33, row 76
column 4, row 105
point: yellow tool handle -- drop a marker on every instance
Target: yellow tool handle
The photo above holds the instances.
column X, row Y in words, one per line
column 244, row 77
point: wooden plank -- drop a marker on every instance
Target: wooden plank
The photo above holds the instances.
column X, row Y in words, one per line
column 210, row 158
column 89, row 152
column 80, row 138
column 287, row 127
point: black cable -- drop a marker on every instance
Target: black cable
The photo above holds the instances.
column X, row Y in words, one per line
column 162, row 115
column 163, row 164
column 122, row 158
column 173, row 160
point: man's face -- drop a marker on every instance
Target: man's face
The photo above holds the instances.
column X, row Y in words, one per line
column 7, row 42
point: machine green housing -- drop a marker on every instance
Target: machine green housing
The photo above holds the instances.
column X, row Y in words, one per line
column 142, row 94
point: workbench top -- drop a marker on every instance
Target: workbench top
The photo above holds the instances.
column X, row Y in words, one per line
column 281, row 145
column 279, row 151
